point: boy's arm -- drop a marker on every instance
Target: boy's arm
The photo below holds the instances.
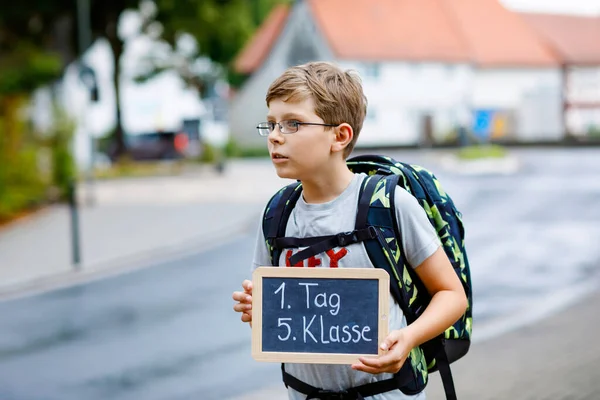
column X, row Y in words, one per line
column 447, row 304
column 448, row 299
column 423, row 250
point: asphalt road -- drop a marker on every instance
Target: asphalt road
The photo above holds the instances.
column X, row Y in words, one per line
column 168, row 331
column 165, row 332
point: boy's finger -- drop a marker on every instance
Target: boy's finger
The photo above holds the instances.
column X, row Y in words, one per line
column 247, row 285
column 242, row 297
column 374, row 362
column 389, row 341
column 365, row 368
column 246, row 317
column 241, row 307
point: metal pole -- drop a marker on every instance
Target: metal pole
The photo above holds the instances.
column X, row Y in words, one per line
column 85, row 40
column 74, row 212
column 84, row 29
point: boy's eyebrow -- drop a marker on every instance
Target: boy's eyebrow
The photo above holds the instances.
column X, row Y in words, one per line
column 287, row 116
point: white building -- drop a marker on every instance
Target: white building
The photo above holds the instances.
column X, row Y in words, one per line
column 437, row 63
column 576, row 41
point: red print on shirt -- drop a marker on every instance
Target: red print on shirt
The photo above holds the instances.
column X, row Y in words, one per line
column 315, row 261
column 288, row 255
column 335, row 257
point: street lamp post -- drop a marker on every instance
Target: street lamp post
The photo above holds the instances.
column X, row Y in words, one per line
column 88, row 77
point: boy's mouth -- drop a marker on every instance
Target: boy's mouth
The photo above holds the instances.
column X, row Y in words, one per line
column 277, row 156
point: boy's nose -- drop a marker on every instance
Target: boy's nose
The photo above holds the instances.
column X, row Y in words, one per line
column 275, row 136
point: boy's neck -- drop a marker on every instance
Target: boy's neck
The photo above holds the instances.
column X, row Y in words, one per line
column 327, row 187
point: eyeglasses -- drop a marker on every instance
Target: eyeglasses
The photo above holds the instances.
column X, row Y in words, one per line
column 288, row 126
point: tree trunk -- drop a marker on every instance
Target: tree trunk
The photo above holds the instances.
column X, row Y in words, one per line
column 121, row 147
column 116, row 44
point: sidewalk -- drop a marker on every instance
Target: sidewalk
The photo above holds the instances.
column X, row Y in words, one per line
column 134, row 222
column 555, row 359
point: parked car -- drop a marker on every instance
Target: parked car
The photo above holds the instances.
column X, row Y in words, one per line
column 154, row 146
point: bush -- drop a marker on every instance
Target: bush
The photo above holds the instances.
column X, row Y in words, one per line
column 209, row 153
column 21, row 184
column 594, row 132
column 234, row 150
column 481, row 151
column 125, row 167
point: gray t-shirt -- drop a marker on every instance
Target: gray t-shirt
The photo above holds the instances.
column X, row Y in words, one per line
column 419, row 241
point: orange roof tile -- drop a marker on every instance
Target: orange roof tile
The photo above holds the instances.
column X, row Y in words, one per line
column 498, row 37
column 389, row 29
column 257, row 49
column 576, row 39
column 479, row 31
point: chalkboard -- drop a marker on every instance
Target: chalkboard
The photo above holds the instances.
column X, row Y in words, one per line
column 318, row 315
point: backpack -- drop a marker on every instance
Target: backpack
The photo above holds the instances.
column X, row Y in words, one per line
column 376, row 227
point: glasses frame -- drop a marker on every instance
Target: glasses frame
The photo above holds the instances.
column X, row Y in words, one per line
column 259, row 128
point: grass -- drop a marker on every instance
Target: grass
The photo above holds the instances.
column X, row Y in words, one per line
column 478, row 152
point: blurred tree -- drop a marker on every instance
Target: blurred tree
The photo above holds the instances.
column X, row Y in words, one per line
column 39, row 39
column 219, row 29
column 26, row 62
column 105, row 17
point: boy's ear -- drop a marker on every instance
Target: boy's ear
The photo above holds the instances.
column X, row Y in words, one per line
column 343, row 137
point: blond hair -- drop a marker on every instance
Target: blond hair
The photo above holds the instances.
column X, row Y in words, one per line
column 337, row 94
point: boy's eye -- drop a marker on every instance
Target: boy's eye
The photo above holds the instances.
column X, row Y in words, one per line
column 271, row 125
column 291, row 124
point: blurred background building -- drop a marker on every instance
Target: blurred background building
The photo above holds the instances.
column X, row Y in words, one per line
column 434, row 71
column 431, row 67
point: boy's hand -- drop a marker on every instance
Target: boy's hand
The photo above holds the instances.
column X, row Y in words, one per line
column 244, row 301
column 399, row 346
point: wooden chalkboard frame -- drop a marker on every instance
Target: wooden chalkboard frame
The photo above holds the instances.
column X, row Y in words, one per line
column 339, row 273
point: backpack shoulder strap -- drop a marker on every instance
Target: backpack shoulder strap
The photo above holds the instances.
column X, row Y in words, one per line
column 276, row 216
column 376, row 209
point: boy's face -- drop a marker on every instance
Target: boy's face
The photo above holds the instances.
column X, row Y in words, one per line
column 303, row 155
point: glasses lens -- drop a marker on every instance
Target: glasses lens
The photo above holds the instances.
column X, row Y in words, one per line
column 264, row 128
column 290, row 126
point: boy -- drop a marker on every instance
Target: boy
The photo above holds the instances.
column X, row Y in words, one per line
column 316, row 112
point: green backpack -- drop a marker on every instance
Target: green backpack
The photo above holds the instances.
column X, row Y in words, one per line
column 376, row 227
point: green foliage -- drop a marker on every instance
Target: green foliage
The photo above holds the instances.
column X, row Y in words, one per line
column 21, row 184
column 594, row 131
column 234, row 150
column 482, row 151
column 220, row 28
column 128, row 168
column 209, row 154
column 61, row 140
column 254, row 152
column 26, row 68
